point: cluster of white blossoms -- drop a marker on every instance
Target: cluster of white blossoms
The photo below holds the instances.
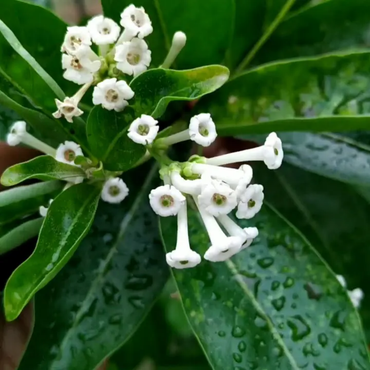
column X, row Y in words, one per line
column 355, row 295
column 216, row 191
column 114, row 189
column 121, row 54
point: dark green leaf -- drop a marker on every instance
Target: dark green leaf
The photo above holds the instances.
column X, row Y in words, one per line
column 156, row 88
column 7, row 118
column 98, row 300
column 68, row 220
column 24, row 200
column 326, row 91
column 43, row 125
column 274, row 306
column 20, row 234
column 44, row 41
column 320, row 28
column 43, row 168
column 330, row 155
column 108, row 140
column 207, row 24
column 332, row 216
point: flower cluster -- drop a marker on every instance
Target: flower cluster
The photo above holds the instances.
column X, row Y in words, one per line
column 216, row 191
column 121, row 54
column 114, row 189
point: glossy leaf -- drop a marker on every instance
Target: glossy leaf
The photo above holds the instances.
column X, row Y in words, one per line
column 326, row 91
column 156, row 88
column 19, row 235
column 275, row 305
column 43, row 125
column 332, row 216
column 197, row 19
column 338, row 25
column 68, row 220
column 44, row 42
column 43, row 168
column 24, row 200
column 98, row 300
column 330, row 155
column 108, row 140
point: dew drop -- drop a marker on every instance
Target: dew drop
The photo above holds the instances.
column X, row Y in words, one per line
column 299, row 327
column 323, row 339
column 139, row 282
column 275, row 285
column 237, row 357
column 355, row 365
column 278, row 303
column 242, row 346
column 260, row 322
column 289, row 282
column 277, row 351
column 237, row 332
column 115, row 319
column 338, row 320
column 309, row 349
column 221, row 334
column 136, row 302
column 265, row 262
column 319, row 366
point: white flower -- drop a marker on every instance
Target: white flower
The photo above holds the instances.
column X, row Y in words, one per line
column 67, row 109
column 246, row 235
column 228, row 175
column 342, row 280
column 223, row 247
column 143, row 130
column 356, row 296
column 244, row 181
column 271, row 153
column 166, row 200
column 251, row 202
column 136, row 22
column 44, row 210
column 182, row 257
column 80, row 68
column 192, row 187
column 112, row 94
column 67, row 152
column 274, row 153
column 103, row 31
column 133, row 57
column 114, row 190
column 16, row 134
column 178, row 42
column 75, row 39
column 202, row 129
column 217, row 198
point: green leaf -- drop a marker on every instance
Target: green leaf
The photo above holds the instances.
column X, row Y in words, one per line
column 332, row 216
column 100, row 298
column 45, row 40
column 330, row 155
column 24, row 200
column 108, row 140
column 156, row 88
column 321, row 93
column 297, row 37
column 68, row 220
column 7, row 118
column 207, row 24
column 275, row 305
column 43, row 168
column 19, row 235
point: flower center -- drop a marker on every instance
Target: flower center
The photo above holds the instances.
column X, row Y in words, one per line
column 75, row 41
column 68, row 109
column 114, row 190
column 105, row 30
column 136, row 19
column 167, row 201
column 75, row 63
column 203, row 130
column 219, row 199
column 133, row 59
column 69, row 155
column 184, row 262
column 276, row 151
column 143, row 130
column 251, row 203
column 112, row 96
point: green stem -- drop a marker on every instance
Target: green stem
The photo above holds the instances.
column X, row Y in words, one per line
column 284, row 10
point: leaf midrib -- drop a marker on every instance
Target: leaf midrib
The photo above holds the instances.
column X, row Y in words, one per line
column 85, row 304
